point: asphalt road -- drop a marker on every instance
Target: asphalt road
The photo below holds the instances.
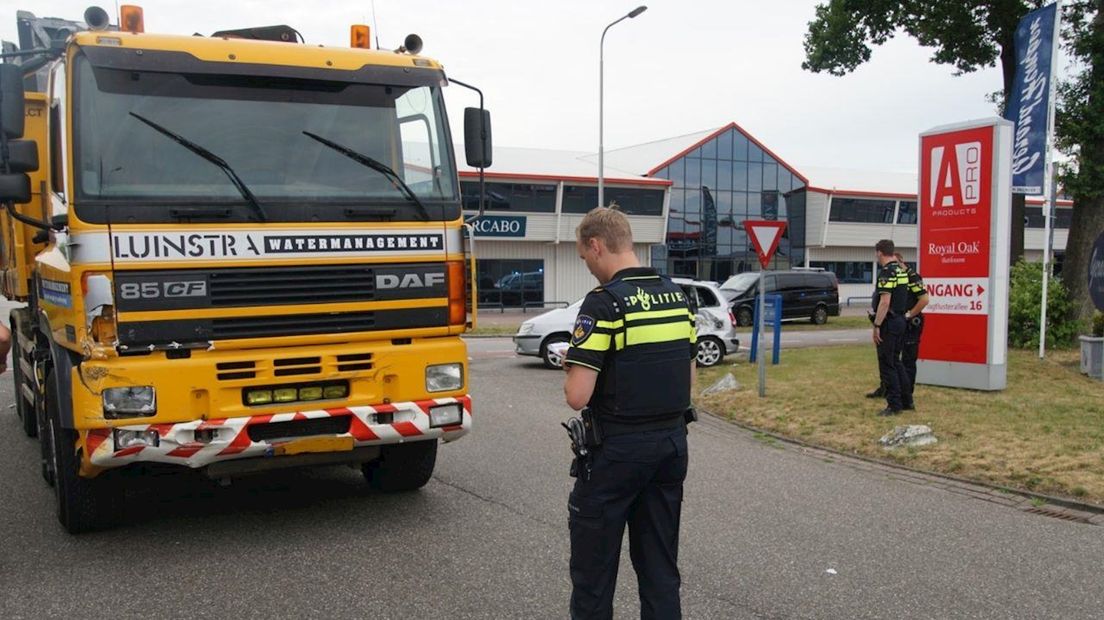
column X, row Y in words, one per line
column 486, row 538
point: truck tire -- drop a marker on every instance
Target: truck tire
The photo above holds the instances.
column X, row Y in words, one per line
column 83, row 504
column 744, row 316
column 402, row 467
column 25, row 410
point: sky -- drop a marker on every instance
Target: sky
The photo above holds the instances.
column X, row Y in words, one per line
column 680, row 67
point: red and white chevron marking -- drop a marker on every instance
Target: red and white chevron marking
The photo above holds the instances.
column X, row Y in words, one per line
column 177, row 444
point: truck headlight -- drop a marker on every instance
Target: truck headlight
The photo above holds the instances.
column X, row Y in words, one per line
column 446, row 415
column 444, row 377
column 129, row 439
column 129, row 402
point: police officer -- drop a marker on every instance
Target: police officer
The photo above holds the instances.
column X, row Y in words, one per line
column 914, row 328
column 890, row 301
column 631, row 362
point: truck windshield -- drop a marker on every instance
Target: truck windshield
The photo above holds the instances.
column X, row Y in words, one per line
column 257, row 126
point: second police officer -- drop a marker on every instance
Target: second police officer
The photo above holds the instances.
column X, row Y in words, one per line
column 889, row 303
column 914, row 329
column 631, row 363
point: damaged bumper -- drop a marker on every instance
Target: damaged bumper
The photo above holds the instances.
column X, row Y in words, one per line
column 200, row 443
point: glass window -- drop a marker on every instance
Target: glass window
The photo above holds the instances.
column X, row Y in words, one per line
column 770, row 176
column 860, row 272
column 709, row 173
column 511, row 283
column 770, row 205
column 634, row 201
column 864, row 210
column 906, row 212
column 754, row 152
column 677, row 170
column 510, row 197
column 755, row 177
column 724, row 175
column 1033, row 217
column 739, row 147
column 580, row 199
column 740, row 176
column 724, row 146
column 706, row 298
column 693, row 173
column 709, row 150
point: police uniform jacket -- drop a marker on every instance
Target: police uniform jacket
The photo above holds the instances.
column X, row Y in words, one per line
column 916, row 288
column 893, row 279
column 639, row 334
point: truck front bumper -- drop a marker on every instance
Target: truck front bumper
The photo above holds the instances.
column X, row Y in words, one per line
column 199, row 443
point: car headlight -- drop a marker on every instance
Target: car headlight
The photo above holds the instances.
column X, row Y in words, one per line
column 444, row 377
column 526, row 328
column 129, row 402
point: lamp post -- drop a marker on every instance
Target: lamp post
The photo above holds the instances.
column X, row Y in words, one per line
column 601, row 88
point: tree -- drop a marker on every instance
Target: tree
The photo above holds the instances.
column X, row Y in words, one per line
column 1081, row 136
column 966, row 35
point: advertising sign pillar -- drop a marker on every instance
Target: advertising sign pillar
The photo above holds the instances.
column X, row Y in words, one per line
column 965, row 224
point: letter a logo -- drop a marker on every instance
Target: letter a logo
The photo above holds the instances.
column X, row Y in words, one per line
column 946, row 184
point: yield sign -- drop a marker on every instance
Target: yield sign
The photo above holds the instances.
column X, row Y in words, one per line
column 764, row 235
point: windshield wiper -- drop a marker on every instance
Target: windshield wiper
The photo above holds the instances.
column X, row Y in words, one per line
column 379, row 167
column 214, row 159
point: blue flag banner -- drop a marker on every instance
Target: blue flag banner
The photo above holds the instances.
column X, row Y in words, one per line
column 1030, row 98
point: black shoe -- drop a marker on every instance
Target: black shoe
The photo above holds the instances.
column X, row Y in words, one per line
column 888, row 412
column 910, row 407
column 878, row 393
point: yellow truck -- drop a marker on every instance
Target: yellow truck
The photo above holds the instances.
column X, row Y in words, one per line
column 238, row 253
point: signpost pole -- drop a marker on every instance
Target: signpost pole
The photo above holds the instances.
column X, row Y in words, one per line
column 761, row 326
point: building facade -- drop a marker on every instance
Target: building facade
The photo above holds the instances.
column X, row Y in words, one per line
column 687, row 198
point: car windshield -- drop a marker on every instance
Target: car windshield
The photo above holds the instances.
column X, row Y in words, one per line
column 740, row 283
column 257, row 127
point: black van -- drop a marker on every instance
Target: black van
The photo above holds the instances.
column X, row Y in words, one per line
column 811, row 295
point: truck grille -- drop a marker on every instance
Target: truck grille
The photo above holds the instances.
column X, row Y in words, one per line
column 334, row 425
column 291, row 285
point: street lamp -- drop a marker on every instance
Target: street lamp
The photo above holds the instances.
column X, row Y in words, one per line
column 601, row 87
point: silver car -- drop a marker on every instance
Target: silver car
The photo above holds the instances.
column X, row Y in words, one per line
column 716, row 326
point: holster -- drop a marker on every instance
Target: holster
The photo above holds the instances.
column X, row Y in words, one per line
column 691, row 415
column 592, row 427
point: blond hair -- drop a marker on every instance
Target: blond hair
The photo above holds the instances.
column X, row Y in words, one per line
column 608, row 224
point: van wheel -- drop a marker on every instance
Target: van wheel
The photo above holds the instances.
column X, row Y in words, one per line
column 710, row 351
column 551, row 361
column 820, row 315
column 402, row 467
column 83, row 504
column 23, row 409
column 744, row 317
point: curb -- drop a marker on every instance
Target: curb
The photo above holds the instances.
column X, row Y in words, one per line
column 1090, row 509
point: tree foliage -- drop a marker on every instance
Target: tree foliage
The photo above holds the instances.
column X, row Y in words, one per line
column 1080, row 133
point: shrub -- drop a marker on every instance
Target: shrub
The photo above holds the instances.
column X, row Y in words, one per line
column 1098, row 324
column 1025, row 300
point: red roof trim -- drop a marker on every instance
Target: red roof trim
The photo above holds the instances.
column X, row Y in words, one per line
column 732, row 125
column 466, row 174
column 895, row 195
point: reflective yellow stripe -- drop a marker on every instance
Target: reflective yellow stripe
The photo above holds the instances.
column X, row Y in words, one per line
column 609, row 324
column 657, row 314
column 619, row 341
column 595, row 342
column 664, row 332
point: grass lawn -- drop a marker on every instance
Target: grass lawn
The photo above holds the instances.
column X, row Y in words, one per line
column 834, row 322
column 495, row 330
column 1044, row 433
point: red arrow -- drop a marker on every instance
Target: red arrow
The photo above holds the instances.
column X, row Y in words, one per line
column 980, row 290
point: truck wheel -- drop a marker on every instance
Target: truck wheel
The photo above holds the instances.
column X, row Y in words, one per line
column 402, row 467
column 83, row 504
column 546, row 356
column 25, row 410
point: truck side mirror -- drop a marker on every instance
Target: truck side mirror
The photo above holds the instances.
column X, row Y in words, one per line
column 477, row 137
column 11, row 100
column 15, row 187
column 23, row 155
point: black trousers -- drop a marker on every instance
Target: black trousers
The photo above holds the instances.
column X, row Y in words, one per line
column 636, row 479
column 890, row 367
column 914, row 328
